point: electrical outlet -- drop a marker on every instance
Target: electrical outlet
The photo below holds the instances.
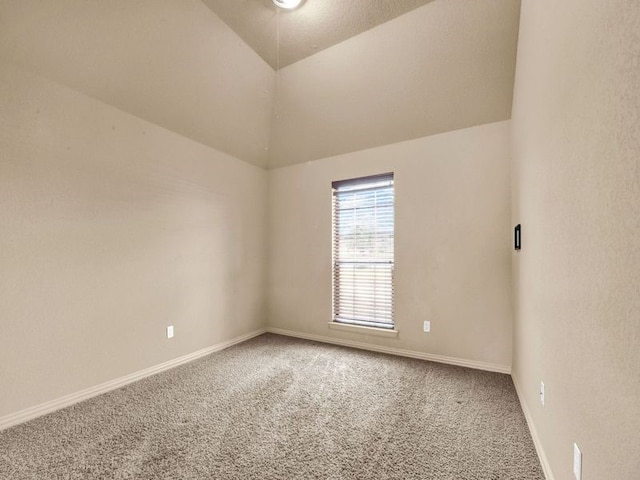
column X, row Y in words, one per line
column 542, row 393
column 426, row 326
column 577, row 462
column 170, row 331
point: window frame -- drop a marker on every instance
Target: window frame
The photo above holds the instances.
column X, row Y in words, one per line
column 382, row 317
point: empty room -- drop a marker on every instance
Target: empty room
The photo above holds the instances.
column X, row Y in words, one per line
column 320, row 239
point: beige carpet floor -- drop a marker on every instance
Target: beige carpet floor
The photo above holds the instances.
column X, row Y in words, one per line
column 281, row 408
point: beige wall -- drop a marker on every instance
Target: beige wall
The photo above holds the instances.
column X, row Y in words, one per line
column 452, row 243
column 576, row 175
column 171, row 62
column 112, row 229
column 444, row 66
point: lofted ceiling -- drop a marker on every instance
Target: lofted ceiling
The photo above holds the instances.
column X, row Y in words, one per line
column 349, row 75
column 282, row 37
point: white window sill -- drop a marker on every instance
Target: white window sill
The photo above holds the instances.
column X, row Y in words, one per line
column 378, row 332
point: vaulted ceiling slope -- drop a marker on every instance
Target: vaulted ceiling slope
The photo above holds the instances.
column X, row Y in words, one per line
column 283, row 37
column 445, row 65
column 171, row 62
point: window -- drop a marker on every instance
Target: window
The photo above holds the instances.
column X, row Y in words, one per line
column 363, row 251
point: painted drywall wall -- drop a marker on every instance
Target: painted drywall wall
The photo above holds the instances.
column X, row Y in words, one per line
column 576, row 176
column 452, row 250
column 444, row 66
column 173, row 63
column 112, row 229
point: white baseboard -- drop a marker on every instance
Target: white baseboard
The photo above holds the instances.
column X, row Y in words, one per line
column 546, row 468
column 491, row 367
column 68, row 400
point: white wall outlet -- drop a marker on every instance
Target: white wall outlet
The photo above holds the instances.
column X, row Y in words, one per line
column 426, row 326
column 170, row 331
column 577, row 462
column 542, row 393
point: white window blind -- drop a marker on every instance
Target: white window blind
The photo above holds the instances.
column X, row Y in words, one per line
column 363, row 229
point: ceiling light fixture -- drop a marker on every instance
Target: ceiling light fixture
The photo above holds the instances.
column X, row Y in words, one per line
column 287, row 4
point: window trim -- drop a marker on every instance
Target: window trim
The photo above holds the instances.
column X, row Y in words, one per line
column 375, row 331
column 358, row 325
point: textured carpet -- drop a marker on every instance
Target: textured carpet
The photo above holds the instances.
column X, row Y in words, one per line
column 281, row 408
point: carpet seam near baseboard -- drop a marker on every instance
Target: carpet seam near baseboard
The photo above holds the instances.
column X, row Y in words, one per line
column 544, row 462
column 50, row 406
column 490, row 367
